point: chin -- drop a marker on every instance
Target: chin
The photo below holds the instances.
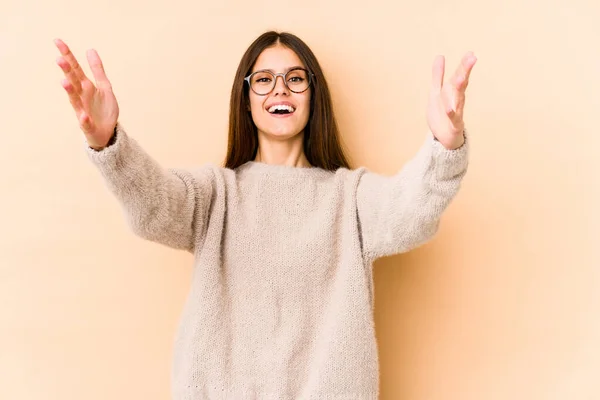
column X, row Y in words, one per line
column 281, row 130
column 284, row 134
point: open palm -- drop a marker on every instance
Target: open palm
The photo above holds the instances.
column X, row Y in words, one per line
column 95, row 106
column 447, row 101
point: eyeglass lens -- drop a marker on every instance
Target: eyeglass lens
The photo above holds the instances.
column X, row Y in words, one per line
column 296, row 80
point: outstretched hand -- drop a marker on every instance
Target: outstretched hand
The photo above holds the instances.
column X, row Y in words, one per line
column 447, row 101
column 95, row 106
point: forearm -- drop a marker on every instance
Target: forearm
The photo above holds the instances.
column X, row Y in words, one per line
column 159, row 204
column 401, row 212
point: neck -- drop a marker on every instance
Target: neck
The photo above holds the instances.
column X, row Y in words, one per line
column 288, row 152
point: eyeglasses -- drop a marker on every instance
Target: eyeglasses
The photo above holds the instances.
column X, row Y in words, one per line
column 263, row 82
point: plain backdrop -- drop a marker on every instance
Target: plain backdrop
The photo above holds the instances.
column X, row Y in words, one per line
column 504, row 303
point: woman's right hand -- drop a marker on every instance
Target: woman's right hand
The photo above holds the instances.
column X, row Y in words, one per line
column 96, row 107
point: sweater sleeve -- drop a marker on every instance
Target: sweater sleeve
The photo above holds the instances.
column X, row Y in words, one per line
column 167, row 206
column 401, row 212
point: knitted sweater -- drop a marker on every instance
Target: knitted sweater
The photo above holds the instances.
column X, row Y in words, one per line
column 281, row 298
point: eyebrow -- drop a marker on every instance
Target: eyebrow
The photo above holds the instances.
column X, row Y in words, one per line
column 270, row 70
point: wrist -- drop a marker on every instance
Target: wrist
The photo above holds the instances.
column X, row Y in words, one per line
column 453, row 144
column 111, row 141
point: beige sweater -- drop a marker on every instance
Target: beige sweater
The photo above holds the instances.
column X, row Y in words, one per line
column 281, row 300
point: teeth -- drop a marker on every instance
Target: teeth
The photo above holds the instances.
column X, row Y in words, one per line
column 281, row 107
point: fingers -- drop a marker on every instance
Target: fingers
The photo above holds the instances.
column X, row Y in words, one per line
column 460, row 79
column 75, row 81
column 72, row 78
column 438, row 73
column 74, row 96
column 454, row 96
column 454, row 102
column 460, row 101
column 450, row 105
column 70, row 58
column 97, row 69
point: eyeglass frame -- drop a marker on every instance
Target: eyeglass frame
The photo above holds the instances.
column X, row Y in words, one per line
column 282, row 75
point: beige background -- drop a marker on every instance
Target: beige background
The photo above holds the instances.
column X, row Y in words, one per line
column 503, row 304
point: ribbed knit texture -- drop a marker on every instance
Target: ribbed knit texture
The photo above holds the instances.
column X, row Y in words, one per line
column 281, row 298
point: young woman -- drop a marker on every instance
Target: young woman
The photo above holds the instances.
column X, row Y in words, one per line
column 285, row 233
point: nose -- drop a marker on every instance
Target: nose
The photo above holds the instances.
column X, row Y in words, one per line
column 280, row 87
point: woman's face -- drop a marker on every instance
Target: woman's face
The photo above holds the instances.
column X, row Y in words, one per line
column 279, row 122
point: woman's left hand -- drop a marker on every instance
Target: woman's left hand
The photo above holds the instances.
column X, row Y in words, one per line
column 447, row 101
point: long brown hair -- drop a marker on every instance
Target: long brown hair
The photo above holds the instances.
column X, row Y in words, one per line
column 322, row 145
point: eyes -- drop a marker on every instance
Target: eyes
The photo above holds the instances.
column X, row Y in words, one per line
column 262, row 82
column 296, row 79
column 293, row 77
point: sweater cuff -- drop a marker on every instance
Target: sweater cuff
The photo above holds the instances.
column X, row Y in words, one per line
column 112, row 149
column 450, row 162
column 440, row 149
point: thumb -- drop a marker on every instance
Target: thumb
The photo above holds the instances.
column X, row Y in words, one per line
column 98, row 69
